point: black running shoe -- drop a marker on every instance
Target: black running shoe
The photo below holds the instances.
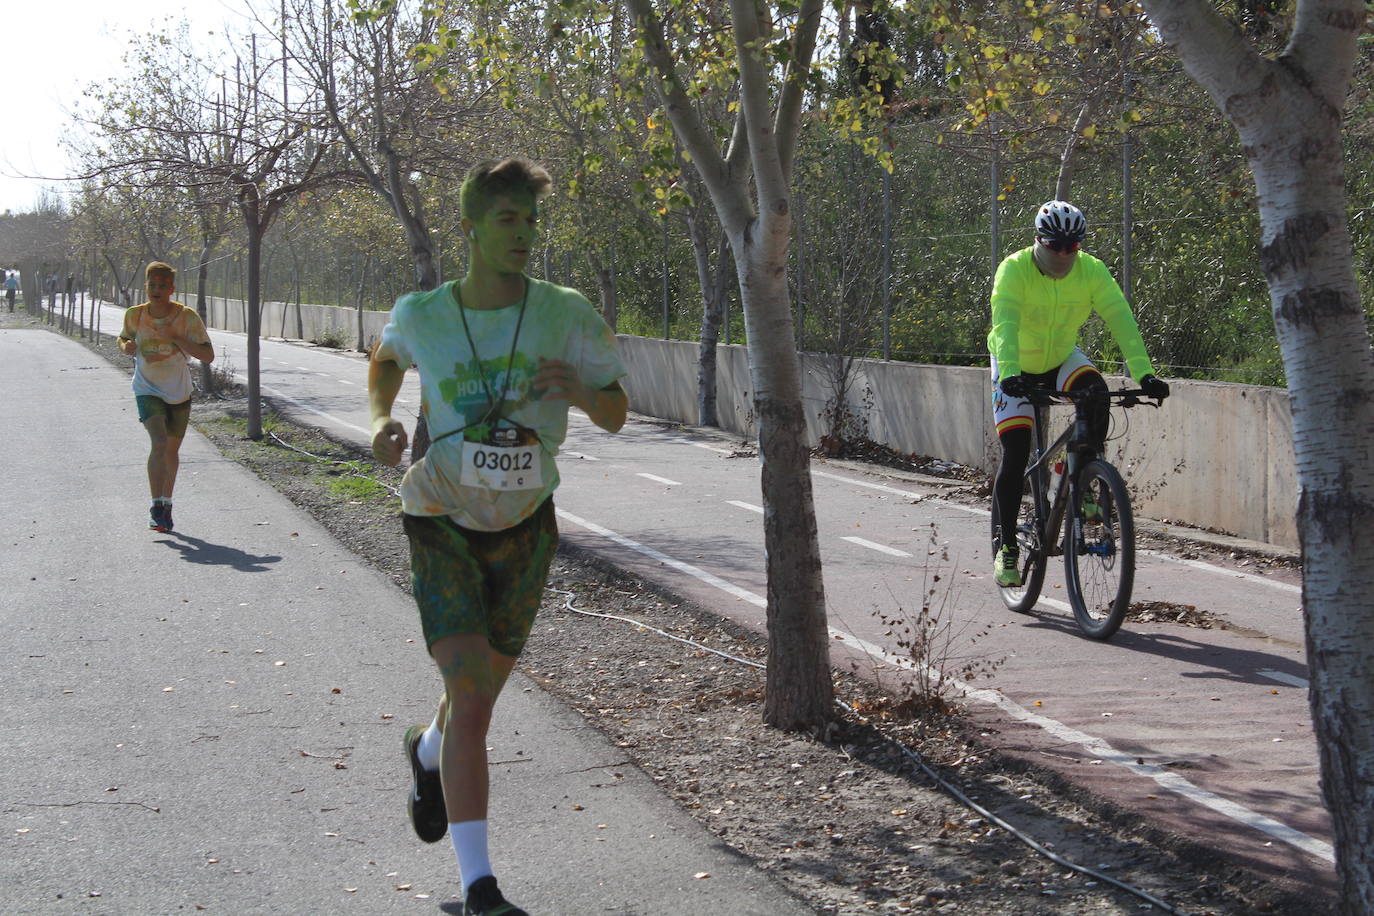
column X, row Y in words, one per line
column 426, row 803
column 158, row 518
column 484, row 899
column 167, row 516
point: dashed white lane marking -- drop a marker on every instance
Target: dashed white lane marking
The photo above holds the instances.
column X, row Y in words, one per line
column 1096, row 746
column 1195, row 564
column 746, row 506
column 239, row 376
column 663, row 480
column 884, row 488
column 709, row 448
column 1291, row 680
column 881, row 548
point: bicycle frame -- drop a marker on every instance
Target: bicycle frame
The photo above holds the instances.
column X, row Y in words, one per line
column 1075, row 441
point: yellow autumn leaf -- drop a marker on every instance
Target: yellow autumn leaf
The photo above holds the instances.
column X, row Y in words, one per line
column 1090, row 131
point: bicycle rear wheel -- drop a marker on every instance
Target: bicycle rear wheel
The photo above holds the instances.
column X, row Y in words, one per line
column 1099, row 552
column 1023, row 597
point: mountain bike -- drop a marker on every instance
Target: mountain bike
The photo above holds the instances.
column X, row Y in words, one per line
column 1076, row 491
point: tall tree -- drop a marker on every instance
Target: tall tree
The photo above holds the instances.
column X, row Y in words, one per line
column 239, row 140
column 772, row 57
column 1288, row 110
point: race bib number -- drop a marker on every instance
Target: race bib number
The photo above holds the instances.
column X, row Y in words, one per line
column 496, row 467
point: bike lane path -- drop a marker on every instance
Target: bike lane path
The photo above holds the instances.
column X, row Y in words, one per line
column 1206, row 733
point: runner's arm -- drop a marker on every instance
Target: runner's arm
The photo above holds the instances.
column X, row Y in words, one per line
column 384, row 378
column 606, row 407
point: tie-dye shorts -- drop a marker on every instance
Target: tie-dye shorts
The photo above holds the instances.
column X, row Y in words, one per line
column 481, row 582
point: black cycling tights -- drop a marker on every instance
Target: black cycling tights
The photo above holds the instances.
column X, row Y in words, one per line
column 1016, row 448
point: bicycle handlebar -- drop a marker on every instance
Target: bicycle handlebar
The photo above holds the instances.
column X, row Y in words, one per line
column 1126, row 397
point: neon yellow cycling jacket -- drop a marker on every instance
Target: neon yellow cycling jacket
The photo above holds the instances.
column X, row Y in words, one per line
column 1035, row 320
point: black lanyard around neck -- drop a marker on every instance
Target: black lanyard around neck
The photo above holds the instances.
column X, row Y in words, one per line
column 492, row 401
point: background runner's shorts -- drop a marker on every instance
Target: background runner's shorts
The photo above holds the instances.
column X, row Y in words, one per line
column 480, row 582
column 177, row 415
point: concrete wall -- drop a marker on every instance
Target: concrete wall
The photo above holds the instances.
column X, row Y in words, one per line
column 314, row 321
column 1217, row 455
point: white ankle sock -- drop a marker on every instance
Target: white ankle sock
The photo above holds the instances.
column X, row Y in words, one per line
column 430, row 742
column 470, row 845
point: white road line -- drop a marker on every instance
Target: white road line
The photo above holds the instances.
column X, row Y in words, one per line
column 694, row 571
column 1223, row 571
column 747, row 506
column 662, row 480
column 306, row 407
column 890, row 551
column 344, row 381
column 709, row 448
column 914, row 497
column 1289, row 679
column 1098, row 747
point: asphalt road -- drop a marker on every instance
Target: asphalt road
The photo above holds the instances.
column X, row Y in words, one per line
column 1207, row 732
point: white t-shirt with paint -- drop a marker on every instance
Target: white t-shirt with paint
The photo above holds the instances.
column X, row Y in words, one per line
column 489, row 488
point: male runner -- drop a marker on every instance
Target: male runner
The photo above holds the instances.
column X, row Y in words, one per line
column 502, row 357
column 160, row 334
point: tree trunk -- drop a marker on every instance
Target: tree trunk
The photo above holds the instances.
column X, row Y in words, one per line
column 713, row 289
column 253, row 319
column 1288, row 113
column 207, row 378
column 798, row 687
column 1068, row 160
column 605, row 287
column 362, row 285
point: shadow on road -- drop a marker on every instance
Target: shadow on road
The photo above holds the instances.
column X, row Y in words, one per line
column 1211, row 660
column 194, row 550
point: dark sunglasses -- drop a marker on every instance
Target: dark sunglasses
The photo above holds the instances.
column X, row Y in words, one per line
column 1061, row 247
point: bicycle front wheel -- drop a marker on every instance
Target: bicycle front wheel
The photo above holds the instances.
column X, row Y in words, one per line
column 1022, row 598
column 1099, row 551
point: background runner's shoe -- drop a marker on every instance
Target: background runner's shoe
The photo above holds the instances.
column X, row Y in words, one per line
column 167, row 517
column 484, row 899
column 426, row 803
column 159, row 519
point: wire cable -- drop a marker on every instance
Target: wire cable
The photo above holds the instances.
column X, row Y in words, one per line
column 352, row 465
column 953, row 790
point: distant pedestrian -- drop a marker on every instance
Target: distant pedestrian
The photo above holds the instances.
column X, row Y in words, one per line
column 160, row 334
column 478, row 507
column 11, row 287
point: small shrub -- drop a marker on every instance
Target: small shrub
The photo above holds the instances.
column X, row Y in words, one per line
column 335, row 338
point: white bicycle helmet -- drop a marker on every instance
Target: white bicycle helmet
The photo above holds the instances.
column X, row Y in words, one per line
column 1060, row 221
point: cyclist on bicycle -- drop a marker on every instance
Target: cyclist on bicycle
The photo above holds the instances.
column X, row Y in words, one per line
column 1041, row 297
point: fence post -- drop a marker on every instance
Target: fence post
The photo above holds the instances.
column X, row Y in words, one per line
column 887, row 262
column 1127, row 204
column 666, row 329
